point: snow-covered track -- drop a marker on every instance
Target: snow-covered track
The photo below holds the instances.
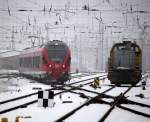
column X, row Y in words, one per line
column 117, row 101
column 31, row 98
column 84, row 104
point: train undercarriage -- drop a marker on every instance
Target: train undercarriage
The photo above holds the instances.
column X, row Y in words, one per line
column 118, row 77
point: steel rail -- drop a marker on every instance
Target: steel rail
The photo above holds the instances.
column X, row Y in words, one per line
column 113, row 105
column 100, row 95
column 31, row 102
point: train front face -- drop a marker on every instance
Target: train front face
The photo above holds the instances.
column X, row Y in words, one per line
column 125, row 64
column 57, row 58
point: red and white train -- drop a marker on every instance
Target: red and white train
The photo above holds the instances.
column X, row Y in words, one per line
column 49, row 62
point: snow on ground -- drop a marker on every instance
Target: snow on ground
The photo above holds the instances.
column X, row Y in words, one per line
column 4, row 71
column 117, row 91
column 90, row 113
column 133, row 94
column 15, row 88
column 119, row 115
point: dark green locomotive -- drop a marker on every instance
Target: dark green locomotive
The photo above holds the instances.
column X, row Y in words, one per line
column 124, row 63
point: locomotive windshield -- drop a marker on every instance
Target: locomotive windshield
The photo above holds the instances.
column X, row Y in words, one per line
column 56, row 52
column 124, row 56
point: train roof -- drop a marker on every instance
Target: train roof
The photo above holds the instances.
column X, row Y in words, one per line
column 54, row 42
column 37, row 48
column 125, row 43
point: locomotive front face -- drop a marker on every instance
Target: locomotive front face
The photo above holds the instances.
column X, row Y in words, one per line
column 57, row 58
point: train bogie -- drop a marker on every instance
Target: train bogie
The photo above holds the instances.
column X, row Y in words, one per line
column 119, row 77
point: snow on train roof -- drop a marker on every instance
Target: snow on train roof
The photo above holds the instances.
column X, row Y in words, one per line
column 9, row 53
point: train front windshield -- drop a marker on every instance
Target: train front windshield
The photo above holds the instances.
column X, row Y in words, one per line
column 56, row 53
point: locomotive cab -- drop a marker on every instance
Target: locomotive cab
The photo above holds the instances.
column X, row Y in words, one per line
column 57, row 60
column 124, row 65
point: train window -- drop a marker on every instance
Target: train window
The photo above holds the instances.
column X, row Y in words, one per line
column 69, row 61
column 43, row 60
column 28, row 62
column 36, row 61
column 20, row 62
column 24, row 62
column 33, row 61
column 56, row 53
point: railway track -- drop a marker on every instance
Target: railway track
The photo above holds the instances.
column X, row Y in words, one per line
column 117, row 101
column 17, row 74
column 28, row 97
column 8, row 75
column 99, row 97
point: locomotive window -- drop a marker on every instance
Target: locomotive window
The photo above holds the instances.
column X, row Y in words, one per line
column 56, row 52
column 69, row 60
column 43, row 60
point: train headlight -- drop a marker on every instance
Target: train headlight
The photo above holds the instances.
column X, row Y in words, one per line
column 50, row 66
column 63, row 66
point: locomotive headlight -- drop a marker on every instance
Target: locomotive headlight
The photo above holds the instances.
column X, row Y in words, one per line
column 63, row 66
column 50, row 66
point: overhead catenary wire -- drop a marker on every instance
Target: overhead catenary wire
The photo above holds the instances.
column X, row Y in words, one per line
column 44, row 8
